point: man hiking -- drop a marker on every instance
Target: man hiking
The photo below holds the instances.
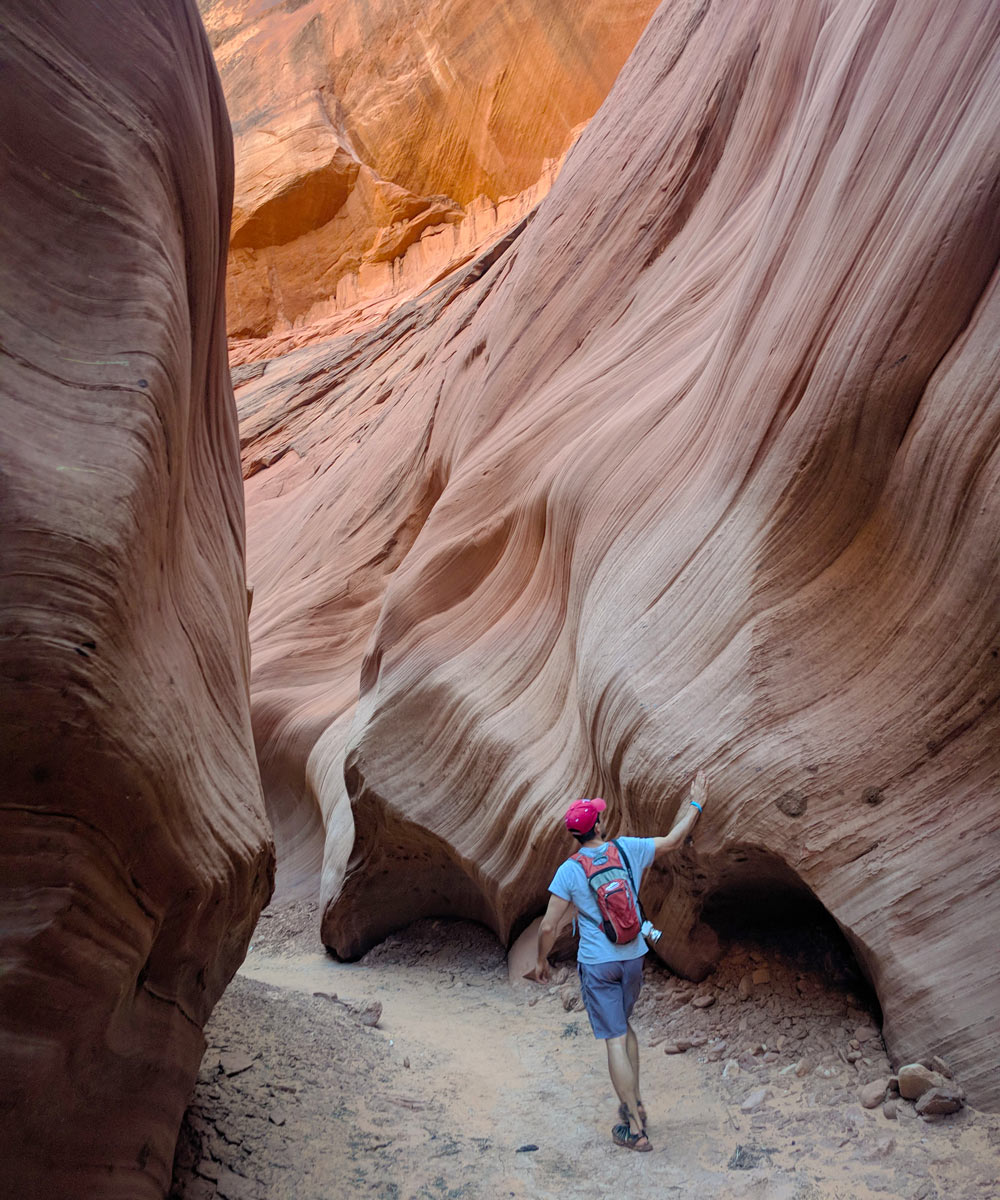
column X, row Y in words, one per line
column 611, row 970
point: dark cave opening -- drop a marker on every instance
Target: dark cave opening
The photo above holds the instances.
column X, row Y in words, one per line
column 759, row 903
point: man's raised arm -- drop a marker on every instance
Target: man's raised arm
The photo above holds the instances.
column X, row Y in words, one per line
column 697, row 799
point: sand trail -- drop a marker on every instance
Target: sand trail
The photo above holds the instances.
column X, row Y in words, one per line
column 471, row 1088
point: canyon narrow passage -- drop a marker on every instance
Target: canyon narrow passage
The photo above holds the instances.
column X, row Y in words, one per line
column 469, row 1087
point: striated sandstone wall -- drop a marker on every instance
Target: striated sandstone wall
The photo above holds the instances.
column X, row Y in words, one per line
column 379, row 142
column 134, row 855
column 701, row 469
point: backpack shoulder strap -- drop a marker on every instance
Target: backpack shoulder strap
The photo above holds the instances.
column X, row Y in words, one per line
column 631, row 878
column 626, row 864
column 587, row 864
column 584, row 860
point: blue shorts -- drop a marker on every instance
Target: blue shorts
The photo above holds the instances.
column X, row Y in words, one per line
column 609, row 991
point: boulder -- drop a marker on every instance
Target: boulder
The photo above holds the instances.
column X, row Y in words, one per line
column 915, row 1079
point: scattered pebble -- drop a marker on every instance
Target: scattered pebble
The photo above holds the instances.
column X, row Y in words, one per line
column 939, row 1101
column 942, row 1068
column 756, row 1099
column 570, row 997
column 235, row 1062
column 370, row 1014
column 872, row 1094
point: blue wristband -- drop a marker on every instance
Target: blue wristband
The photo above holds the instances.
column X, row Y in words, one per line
column 695, row 804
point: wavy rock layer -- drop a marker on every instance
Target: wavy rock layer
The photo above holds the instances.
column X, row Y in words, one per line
column 700, row 470
column 380, row 141
column 134, row 857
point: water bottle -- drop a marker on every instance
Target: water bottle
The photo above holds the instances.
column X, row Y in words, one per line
column 648, row 932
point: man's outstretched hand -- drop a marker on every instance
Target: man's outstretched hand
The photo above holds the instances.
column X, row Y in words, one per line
column 699, row 789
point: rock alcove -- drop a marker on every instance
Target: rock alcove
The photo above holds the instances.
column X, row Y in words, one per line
column 760, row 904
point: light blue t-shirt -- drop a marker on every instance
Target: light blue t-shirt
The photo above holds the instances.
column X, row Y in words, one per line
column 570, row 883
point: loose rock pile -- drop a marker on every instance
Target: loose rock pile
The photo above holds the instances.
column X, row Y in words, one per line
column 784, row 1011
column 791, row 1033
column 931, row 1086
column 444, row 944
column 281, row 1068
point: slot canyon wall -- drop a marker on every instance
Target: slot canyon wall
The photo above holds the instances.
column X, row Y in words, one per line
column 379, row 142
column 134, row 851
column 697, row 467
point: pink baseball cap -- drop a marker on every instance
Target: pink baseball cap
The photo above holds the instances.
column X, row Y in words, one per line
column 581, row 816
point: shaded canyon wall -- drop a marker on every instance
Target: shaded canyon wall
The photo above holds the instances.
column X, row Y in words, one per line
column 134, row 854
column 698, row 468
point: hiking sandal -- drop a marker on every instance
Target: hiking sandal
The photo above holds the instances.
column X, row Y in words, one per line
column 622, row 1136
column 623, row 1112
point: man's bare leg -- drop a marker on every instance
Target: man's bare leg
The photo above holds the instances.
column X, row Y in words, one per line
column 624, row 1079
column 632, row 1048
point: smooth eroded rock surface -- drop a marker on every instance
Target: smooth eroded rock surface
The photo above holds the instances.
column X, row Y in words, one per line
column 134, row 855
column 700, row 469
column 380, row 141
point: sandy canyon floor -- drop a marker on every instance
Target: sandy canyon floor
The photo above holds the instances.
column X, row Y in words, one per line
column 469, row 1087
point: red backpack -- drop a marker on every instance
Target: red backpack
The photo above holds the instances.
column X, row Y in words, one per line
column 610, row 879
